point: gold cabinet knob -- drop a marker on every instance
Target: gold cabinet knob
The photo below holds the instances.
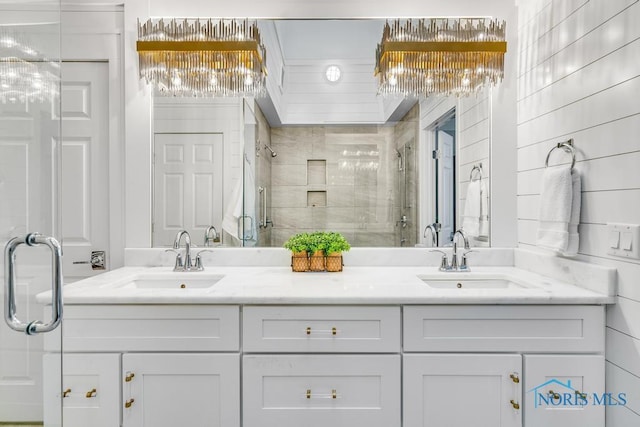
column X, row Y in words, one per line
column 66, row 393
column 91, row 393
column 334, row 331
column 128, row 403
column 553, row 394
column 515, row 404
column 308, row 393
column 129, row 377
column 334, row 394
column 308, row 330
column 515, row 378
column 581, row 395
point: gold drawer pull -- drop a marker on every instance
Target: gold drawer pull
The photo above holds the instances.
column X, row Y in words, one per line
column 515, row 404
column 66, row 393
column 91, row 393
column 129, row 377
column 334, row 331
column 128, row 403
column 515, row 378
column 308, row 393
column 308, row 330
column 334, row 394
column 581, row 395
column 553, row 394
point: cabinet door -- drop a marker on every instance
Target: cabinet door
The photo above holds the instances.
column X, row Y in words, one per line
column 91, row 390
column 452, row 390
column 180, row 389
column 321, row 391
column 565, row 391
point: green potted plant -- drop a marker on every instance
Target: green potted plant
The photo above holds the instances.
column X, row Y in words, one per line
column 299, row 244
column 335, row 244
column 316, row 246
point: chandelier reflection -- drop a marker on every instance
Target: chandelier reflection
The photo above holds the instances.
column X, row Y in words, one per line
column 440, row 56
column 25, row 76
column 191, row 57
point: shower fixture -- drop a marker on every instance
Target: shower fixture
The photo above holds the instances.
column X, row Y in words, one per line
column 273, row 153
column 400, row 161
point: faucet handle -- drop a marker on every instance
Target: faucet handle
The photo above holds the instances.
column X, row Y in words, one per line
column 179, row 265
column 463, row 262
column 444, row 262
column 198, row 266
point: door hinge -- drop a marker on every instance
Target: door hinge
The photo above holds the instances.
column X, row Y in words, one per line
column 436, row 154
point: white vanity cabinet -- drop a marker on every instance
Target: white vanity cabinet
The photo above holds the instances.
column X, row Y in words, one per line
column 476, row 364
column 564, row 390
column 318, row 366
column 150, row 365
column 91, row 390
column 173, row 389
column 480, row 390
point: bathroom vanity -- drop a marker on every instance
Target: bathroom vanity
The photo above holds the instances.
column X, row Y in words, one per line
column 262, row 346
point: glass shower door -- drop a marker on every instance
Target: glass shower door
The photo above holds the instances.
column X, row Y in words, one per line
column 30, row 364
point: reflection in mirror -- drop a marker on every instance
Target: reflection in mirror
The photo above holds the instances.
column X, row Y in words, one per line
column 316, row 154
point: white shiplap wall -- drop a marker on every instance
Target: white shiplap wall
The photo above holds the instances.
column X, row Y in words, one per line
column 579, row 77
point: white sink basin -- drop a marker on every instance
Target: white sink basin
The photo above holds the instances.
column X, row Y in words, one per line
column 173, row 281
column 458, row 281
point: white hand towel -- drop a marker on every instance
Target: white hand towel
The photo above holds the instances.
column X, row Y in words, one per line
column 574, row 219
column 233, row 213
column 472, row 209
column 484, row 210
column 555, row 208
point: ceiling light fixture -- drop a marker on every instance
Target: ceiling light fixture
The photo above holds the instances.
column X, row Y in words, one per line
column 191, row 57
column 333, row 73
column 440, row 56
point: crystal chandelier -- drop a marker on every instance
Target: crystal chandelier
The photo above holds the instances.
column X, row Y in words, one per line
column 191, row 57
column 440, row 56
column 25, row 76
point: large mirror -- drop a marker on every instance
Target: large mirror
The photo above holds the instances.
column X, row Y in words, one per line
column 322, row 152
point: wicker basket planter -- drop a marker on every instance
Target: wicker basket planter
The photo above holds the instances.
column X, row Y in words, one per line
column 300, row 261
column 316, row 261
column 334, row 262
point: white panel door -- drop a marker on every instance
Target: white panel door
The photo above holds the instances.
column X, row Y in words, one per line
column 462, row 390
column 187, row 185
column 181, row 389
column 85, row 189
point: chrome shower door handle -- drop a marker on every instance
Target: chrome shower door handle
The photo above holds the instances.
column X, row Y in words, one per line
column 35, row 326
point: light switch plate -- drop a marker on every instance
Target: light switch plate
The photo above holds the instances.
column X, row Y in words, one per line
column 629, row 240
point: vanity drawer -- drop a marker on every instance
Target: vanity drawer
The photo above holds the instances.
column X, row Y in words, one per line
column 486, row 328
column 320, row 391
column 126, row 328
column 320, row 329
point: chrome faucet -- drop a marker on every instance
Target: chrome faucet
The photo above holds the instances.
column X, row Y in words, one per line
column 434, row 229
column 211, row 238
column 453, row 266
column 185, row 265
column 454, row 255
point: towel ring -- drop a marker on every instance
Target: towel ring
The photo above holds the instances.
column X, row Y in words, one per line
column 567, row 146
column 476, row 168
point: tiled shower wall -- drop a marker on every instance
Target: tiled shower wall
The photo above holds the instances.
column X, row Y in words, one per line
column 334, row 178
column 406, row 134
column 263, row 172
column 579, row 77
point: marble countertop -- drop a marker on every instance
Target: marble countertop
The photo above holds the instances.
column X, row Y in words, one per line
column 355, row 285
